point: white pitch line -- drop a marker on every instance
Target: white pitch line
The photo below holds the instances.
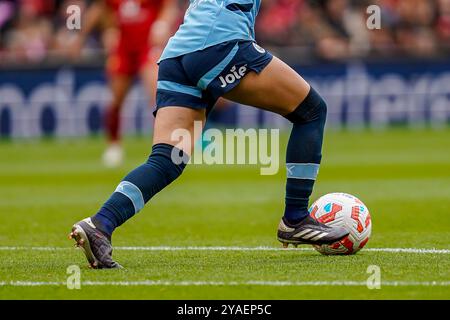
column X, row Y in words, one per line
column 150, row 283
column 190, row 248
column 33, row 248
column 409, row 250
column 231, row 248
column 194, row 248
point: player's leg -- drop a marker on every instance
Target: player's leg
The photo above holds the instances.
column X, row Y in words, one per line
column 277, row 88
column 93, row 235
column 280, row 89
column 140, row 185
column 120, row 85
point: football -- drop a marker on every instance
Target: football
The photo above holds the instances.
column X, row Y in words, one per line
column 344, row 210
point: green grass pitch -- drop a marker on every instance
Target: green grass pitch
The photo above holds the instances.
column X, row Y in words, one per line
column 402, row 176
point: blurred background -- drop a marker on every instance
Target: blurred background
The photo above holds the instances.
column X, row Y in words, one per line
column 398, row 75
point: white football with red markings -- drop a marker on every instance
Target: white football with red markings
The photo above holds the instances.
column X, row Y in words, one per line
column 343, row 210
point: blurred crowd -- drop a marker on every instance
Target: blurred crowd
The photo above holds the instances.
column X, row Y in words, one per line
column 35, row 30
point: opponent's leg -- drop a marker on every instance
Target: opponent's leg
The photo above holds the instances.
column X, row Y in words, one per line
column 149, row 72
column 280, row 89
column 140, row 185
column 119, row 85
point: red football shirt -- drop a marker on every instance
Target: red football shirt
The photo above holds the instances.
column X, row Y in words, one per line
column 135, row 19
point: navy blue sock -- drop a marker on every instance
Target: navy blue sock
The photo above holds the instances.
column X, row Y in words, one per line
column 303, row 155
column 139, row 186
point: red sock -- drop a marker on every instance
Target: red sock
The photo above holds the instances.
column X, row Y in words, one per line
column 112, row 123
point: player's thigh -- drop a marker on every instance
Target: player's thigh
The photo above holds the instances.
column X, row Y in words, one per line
column 120, row 85
column 179, row 126
column 278, row 88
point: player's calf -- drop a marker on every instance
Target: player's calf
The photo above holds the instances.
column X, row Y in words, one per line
column 139, row 186
column 303, row 155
